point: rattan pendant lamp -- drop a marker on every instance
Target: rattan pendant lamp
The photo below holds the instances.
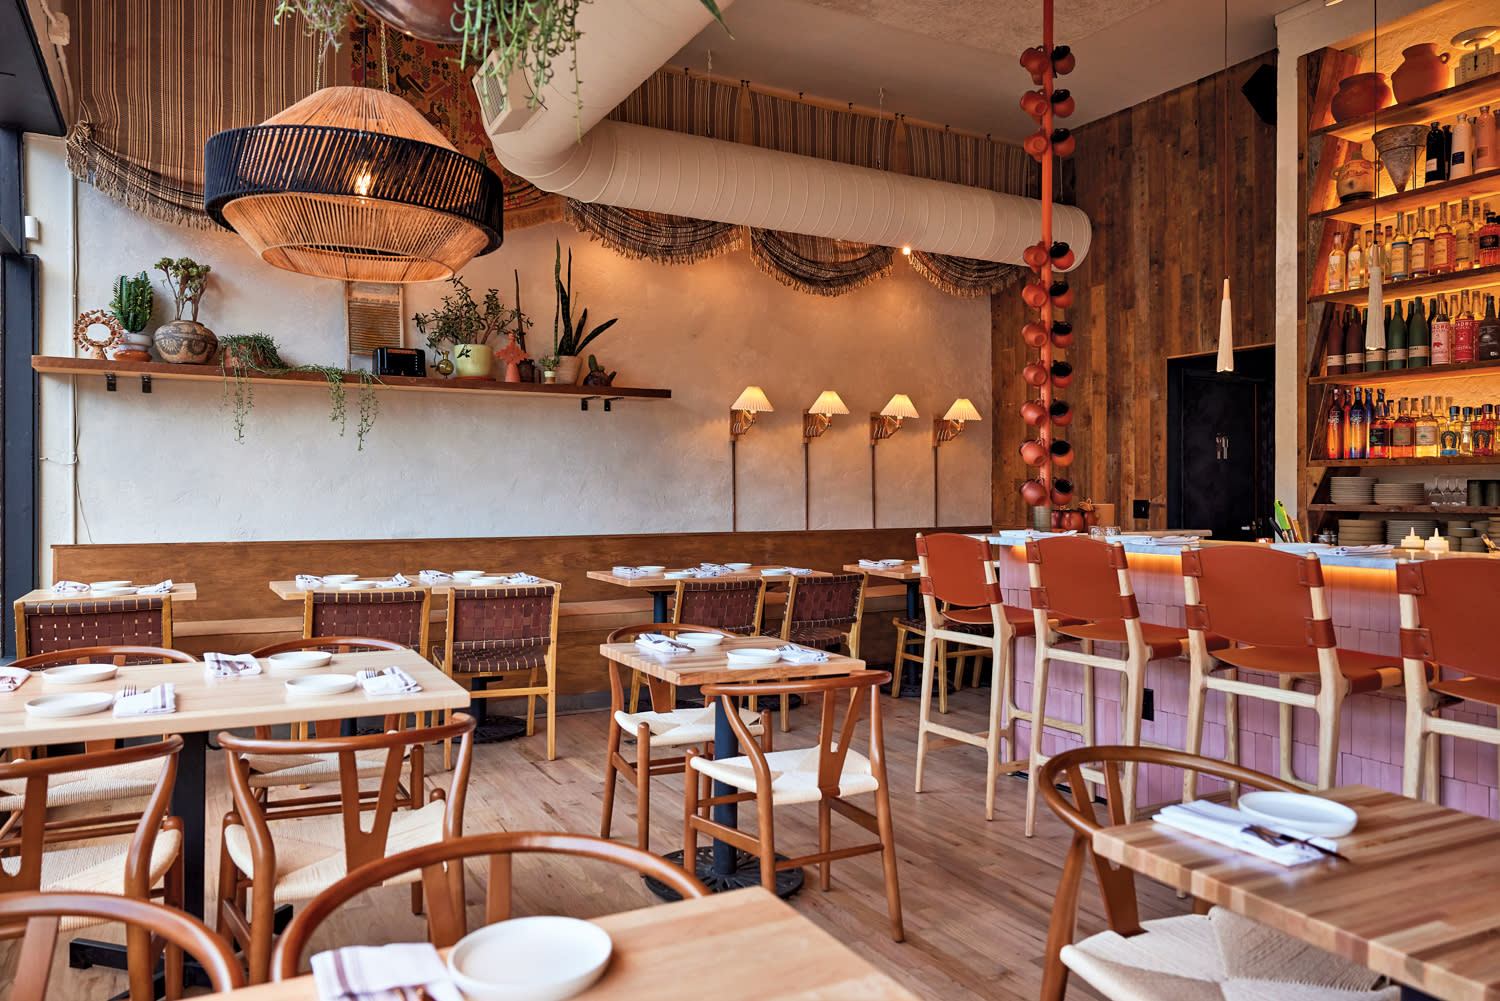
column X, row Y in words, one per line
column 353, row 183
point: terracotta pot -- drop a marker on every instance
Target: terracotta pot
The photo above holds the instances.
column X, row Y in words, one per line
column 1036, row 144
column 1034, row 294
column 1033, row 493
column 185, row 342
column 1062, row 103
column 1423, row 70
column 1061, row 413
column 1062, row 295
column 1062, row 453
column 1034, row 60
column 1062, row 374
column 1034, row 103
column 1034, row 334
column 1072, row 521
column 1062, row 255
column 1057, row 521
column 1063, row 142
column 1035, row 373
column 1062, row 492
column 1063, row 339
column 1035, row 256
column 429, row 20
column 1361, row 94
column 1033, row 413
column 1033, row 452
column 1063, row 59
column 1090, row 518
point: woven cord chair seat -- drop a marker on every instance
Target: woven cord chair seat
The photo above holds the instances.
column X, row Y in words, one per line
column 99, row 866
column 115, row 784
column 682, row 727
column 1220, row 956
column 310, row 850
column 794, row 774
column 269, row 770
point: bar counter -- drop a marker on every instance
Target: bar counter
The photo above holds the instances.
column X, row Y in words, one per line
column 1362, row 595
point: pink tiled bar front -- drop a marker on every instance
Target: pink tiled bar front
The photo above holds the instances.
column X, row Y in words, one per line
column 1366, row 617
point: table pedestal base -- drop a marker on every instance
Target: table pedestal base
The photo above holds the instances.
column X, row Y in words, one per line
column 746, row 873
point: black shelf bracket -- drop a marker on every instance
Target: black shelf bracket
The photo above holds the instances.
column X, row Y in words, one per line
column 610, row 399
column 109, row 382
column 146, row 382
column 583, row 404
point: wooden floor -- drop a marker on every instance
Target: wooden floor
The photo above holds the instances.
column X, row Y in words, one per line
column 976, row 895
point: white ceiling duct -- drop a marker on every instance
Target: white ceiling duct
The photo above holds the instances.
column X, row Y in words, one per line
column 631, row 166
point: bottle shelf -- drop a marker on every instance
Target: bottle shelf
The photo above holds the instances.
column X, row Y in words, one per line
column 1403, row 508
column 1455, row 281
column 1441, row 105
column 1438, row 460
column 1364, row 211
column 1422, row 373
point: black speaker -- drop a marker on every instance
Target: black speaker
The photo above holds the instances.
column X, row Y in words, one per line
column 1260, row 91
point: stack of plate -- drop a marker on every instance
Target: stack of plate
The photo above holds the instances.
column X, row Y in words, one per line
column 1354, row 532
column 1350, row 489
column 1411, row 492
column 1397, row 529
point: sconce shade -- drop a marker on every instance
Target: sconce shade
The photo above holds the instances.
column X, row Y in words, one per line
column 752, row 400
column 900, row 406
column 828, row 404
column 962, row 410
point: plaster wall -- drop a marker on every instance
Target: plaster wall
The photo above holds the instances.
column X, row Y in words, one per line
column 166, row 467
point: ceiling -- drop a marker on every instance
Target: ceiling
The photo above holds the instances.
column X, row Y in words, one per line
column 26, row 99
column 954, row 62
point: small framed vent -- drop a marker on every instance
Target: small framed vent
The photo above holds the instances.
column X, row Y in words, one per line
column 374, row 314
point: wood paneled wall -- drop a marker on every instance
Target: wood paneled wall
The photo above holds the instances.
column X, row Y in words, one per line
column 1149, row 178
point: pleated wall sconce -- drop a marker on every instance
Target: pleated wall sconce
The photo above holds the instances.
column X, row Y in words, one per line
column 888, row 421
column 742, row 415
column 816, row 418
column 951, row 424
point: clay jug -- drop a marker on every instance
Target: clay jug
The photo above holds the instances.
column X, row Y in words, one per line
column 1361, row 94
column 1423, row 70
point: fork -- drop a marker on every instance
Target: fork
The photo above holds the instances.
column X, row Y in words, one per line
column 1278, row 839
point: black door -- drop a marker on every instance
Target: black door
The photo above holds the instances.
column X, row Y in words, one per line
column 1219, row 451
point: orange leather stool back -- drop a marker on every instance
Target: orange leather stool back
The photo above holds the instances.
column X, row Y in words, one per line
column 1453, row 632
column 1080, row 578
column 955, row 570
column 1256, row 596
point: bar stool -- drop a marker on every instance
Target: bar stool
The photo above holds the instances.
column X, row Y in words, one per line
column 1274, row 607
column 1086, row 583
column 909, row 632
column 1439, row 628
column 958, row 570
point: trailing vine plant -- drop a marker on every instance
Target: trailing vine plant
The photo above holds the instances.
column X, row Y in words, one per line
column 248, row 353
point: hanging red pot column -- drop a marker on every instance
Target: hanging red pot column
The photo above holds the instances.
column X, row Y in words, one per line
column 1048, row 294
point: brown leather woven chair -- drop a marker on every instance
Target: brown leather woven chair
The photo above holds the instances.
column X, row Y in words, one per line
column 396, row 614
column 505, row 633
column 1274, row 606
column 823, row 612
column 735, row 606
column 69, row 623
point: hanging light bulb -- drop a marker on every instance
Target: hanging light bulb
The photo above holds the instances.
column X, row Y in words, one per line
column 1226, row 332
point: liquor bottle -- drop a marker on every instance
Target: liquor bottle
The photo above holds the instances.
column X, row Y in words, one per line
column 1418, row 338
column 1461, row 156
column 1488, row 238
column 1335, row 351
column 1396, row 339
column 1441, row 326
column 1442, row 244
column 1354, row 342
column 1466, row 432
column 1425, row 434
column 1378, row 435
column 1334, row 428
column 1336, row 265
column 1437, row 156
column 1484, row 431
column 1487, row 338
column 1403, row 432
column 1421, row 247
column 1355, row 272
column 1465, row 331
column 1400, row 252
column 1463, row 240
column 1356, row 438
column 1486, row 154
column 1448, row 435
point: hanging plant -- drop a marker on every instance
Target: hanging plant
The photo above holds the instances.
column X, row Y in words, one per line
column 246, row 354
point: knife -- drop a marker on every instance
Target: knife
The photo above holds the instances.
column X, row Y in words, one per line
column 1277, row 838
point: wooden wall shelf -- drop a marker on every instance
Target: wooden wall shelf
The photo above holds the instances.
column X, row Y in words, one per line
column 1443, row 105
column 1404, row 509
column 1422, row 373
column 151, row 371
column 1362, row 211
column 1454, row 282
column 1437, row 460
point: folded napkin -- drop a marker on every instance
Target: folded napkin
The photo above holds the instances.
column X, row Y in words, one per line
column 1226, row 826
column 715, row 569
column 660, row 644
column 880, row 564
column 434, row 577
column 308, row 581
column 1379, row 550
column 397, row 581
column 151, row 702
column 391, row 681
column 799, row 571
column 231, row 665
column 379, row 973
column 69, row 587
column 629, row 572
column 1175, row 540
column 794, row 654
column 12, row 678
column 522, row 578
column 162, row 587
column 709, row 571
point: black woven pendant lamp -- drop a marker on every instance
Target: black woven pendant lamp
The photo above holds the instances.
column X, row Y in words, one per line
column 353, row 183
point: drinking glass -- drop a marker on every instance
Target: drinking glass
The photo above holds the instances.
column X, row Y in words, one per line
column 1112, row 530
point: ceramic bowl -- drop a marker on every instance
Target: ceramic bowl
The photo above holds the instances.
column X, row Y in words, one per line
column 651, row 571
column 1304, row 814
column 299, row 660
column 339, row 578
column 738, row 566
column 543, row 958
column 700, row 641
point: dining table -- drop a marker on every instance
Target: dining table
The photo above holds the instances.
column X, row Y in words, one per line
column 721, row 866
column 290, row 590
column 180, row 592
column 1418, row 899
column 661, row 586
column 677, row 951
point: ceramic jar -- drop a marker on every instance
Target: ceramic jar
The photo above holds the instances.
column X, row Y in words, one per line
column 1423, row 71
column 185, row 342
column 473, row 361
column 1361, row 94
column 1355, row 179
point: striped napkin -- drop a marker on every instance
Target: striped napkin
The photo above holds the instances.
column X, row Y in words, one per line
column 1174, row 540
column 390, row 681
column 165, row 587
column 231, row 665
column 1226, row 826
column 434, row 577
column 308, row 581
column 397, row 581
column 69, row 587
column 1377, row 550
column 12, row 678
column 153, row 701
column 628, row 572
column 522, row 578
column 710, row 570
column 778, row 571
column 658, row 643
column 382, row 973
column 879, row 564
column 794, row 654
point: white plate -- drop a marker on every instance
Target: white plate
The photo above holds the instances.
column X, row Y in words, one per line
column 71, row 704
column 110, row 592
column 752, row 657
column 678, row 574
column 738, row 566
column 357, row 585
column 467, row 574
column 299, row 660
column 1302, row 813
column 651, row 571
column 110, row 583
column 543, row 958
column 339, row 578
column 78, row 674
column 321, row 684
column 773, row 571
column 700, row 641
column 486, row 581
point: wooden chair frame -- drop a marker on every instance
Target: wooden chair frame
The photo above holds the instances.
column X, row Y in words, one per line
column 834, row 741
column 442, row 882
column 955, row 656
column 309, row 604
column 177, row 931
column 851, row 638
column 252, row 928
column 1116, row 883
column 23, row 636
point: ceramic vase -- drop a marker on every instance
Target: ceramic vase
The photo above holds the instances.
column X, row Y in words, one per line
column 1361, row 94
column 1423, row 71
column 473, row 361
column 185, row 342
column 567, row 370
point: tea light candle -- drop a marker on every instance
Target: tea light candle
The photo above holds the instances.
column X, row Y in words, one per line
column 1412, row 541
column 1437, row 544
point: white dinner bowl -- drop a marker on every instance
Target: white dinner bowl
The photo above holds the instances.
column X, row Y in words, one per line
column 78, row 674
column 651, row 571
column 486, row 581
column 299, row 660
column 70, row 704
column 1300, row 813
column 339, row 578
column 96, row 585
column 542, row 958
column 357, row 585
column 752, row 657
column 321, row 684
column 467, row 574
column 738, row 566
column 700, row 641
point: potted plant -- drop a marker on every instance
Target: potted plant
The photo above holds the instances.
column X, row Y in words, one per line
column 469, row 327
column 549, row 368
column 184, row 340
column 570, row 338
column 132, row 306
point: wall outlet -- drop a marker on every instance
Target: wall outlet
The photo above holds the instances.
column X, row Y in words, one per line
column 1140, row 508
column 1148, row 706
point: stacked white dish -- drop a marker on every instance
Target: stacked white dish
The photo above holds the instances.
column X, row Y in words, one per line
column 1351, row 489
column 1397, row 529
column 1359, row 532
column 1410, row 492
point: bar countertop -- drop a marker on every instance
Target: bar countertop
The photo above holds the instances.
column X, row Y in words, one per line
column 1170, row 545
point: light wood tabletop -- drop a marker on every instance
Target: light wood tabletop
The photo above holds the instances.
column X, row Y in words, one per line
column 179, row 592
column 289, row 590
column 708, row 666
column 677, row 952
column 1418, row 900
column 904, row 572
column 660, row 582
column 205, row 703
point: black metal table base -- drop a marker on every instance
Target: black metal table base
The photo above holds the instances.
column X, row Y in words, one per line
column 746, row 873
column 495, row 729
